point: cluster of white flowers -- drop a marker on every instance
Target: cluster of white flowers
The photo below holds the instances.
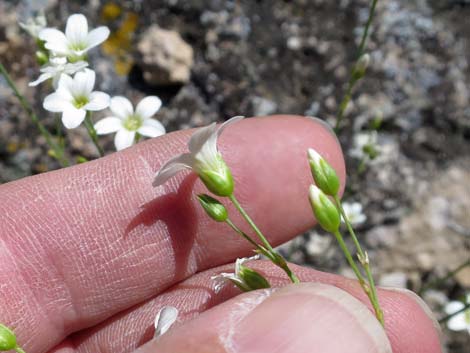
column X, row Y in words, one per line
column 74, row 82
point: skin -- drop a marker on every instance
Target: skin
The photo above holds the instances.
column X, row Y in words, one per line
column 90, row 253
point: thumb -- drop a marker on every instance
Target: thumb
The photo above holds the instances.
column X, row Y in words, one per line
column 307, row 317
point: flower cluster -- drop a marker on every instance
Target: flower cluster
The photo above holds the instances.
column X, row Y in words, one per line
column 64, row 61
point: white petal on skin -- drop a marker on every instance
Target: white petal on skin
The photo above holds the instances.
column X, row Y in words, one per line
column 121, row 107
column 165, row 319
column 55, row 41
column 98, row 101
column 173, row 167
column 108, row 125
column 55, row 102
column 453, row 307
column 41, row 78
column 76, row 29
column 151, row 128
column 73, row 117
column 123, row 139
column 97, row 36
column 148, row 106
column 457, row 323
column 200, row 137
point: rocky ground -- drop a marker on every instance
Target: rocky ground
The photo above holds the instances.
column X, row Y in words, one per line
column 213, row 59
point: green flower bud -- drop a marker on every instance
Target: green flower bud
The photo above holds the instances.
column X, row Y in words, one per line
column 361, row 67
column 7, row 339
column 325, row 212
column 324, row 175
column 218, row 180
column 41, row 57
column 251, row 279
column 213, row 208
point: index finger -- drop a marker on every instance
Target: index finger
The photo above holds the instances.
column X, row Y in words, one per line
column 83, row 243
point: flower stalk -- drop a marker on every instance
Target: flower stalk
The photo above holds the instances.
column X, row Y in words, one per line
column 92, row 133
column 58, row 151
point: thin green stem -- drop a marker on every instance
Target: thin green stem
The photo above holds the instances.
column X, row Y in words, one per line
column 271, row 253
column 450, row 316
column 364, row 260
column 438, row 281
column 242, row 233
column 58, row 151
column 92, row 132
column 352, row 81
column 349, row 258
column 250, row 222
column 19, row 350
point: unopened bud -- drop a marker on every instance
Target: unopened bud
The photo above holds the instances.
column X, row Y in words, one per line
column 7, row 339
column 41, row 57
column 252, row 280
column 325, row 212
column 213, row 208
column 361, row 67
column 323, row 173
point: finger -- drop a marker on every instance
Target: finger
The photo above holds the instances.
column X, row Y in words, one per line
column 84, row 243
column 409, row 324
column 299, row 318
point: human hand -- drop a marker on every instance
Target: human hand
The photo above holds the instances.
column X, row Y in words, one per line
column 89, row 254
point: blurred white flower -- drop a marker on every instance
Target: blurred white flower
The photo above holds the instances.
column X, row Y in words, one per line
column 126, row 122
column 360, row 141
column 74, row 97
column 460, row 321
column 58, row 66
column 204, row 158
column 34, row 25
column 354, row 213
column 76, row 41
column 165, row 318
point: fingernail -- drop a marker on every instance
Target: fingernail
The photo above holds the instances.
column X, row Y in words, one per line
column 299, row 317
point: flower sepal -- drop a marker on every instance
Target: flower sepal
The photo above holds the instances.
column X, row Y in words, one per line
column 325, row 211
column 213, row 208
column 323, row 173
column 7, row 339
column 219, row 181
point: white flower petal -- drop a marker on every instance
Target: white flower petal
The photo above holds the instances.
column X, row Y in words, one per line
column 65, row 84
column 55, row 102
column 151, row 128
column 457, row 323
column 97, row 36
column 148, row 106
column 121, row 107
column 41, row 78
column 72, row 68
column 123, row 139
column 172, row 167
column 83, row 82
column 165, row 319
column 73, row 117
column 108, row 125
column 76, row 30
column 98, row 101
column 55, row 41
column 453, row 306
column 200, row 137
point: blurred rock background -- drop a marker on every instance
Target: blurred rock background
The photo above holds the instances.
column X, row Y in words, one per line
column 212, row 59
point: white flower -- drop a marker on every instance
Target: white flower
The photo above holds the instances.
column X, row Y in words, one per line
column 34, row 25
column 362, row 140
column 127, row 123
column 204, row 159
column 354, row 213
column 165, row 318
column 76, row 41
column 460, row 321
column 74, row 97
column 58, row 66
column 223, row 278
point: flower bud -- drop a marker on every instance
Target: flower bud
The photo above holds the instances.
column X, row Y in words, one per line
column 7, row 339
column 213, row 208
column 218, row 180
column 41, row 57
column 325, row 212
column 251, row 279
column 361, row 67
column 324, row 175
